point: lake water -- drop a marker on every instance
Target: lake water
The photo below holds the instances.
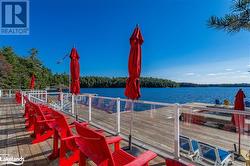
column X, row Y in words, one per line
column 176, row 95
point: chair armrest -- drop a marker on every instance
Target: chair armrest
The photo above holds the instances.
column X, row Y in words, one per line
column 84, row 123
column 67, row 118
column 48, row 115
column 99, row 131
column 71, row 137
column 111, row 140
column 73, row 125
column 44, row 121
column 143, row 158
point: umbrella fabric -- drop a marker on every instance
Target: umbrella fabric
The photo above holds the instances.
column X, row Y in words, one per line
column 239, row 120
column 32, row 82
column 132, row 90
column 75, row 72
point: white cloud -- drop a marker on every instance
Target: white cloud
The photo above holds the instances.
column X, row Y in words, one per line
column 190, row 74
column 212, row 74
column 245, row 73
column 231, row 71
column 243, row 76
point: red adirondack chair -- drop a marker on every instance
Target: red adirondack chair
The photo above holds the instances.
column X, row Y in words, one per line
column 29, row 116
column 172, row 162
column 18, row 97
column 26, row 108
column 31, row 112
column 63, row 133
column 43, row 121
column 94, row 146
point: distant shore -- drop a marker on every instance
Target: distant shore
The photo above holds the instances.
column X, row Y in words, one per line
column 15, row 72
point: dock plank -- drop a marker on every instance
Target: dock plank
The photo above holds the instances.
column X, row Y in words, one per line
column 23, row 139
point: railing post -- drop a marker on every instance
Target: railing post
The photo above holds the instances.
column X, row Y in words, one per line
column 22, row 98
column 90, row 108
column 61, row 98
column 29, row 96
column 118, row 112
column 73, row 104
column 0, row 92
column 46, row 96
column 9, row 92
column 76, row 111
column 177, row 131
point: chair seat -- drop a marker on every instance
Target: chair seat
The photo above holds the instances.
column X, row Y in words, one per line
column 185, row 146
column 195, row 145
column 223, row 154
column 210, row 155
column 122, row 158
column 184, row 143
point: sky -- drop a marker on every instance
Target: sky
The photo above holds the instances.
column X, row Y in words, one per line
column 178, row 44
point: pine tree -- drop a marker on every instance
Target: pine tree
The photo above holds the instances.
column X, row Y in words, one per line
column 238, row 19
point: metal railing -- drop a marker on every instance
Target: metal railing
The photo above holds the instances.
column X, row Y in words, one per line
column 117, row 116
column 7, row 92
column 153, row 125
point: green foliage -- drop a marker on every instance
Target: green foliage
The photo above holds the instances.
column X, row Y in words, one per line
column 16, row 72
column 238, row 19
column 21, row 70
column 120, row 82
column 114, row 82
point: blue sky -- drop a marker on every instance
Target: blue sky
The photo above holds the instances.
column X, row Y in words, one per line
column 178, row 44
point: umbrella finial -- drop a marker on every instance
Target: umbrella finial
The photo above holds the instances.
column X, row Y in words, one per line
column 137, row 25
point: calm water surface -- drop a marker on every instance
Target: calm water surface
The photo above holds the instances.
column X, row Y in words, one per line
column 176, row 95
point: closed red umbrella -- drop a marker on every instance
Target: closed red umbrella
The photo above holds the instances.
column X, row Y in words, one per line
column 239, row 120
column 132, row 90
column 32, row 82
column 75, row 72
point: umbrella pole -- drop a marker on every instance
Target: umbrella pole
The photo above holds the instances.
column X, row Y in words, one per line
column 131, row 126
column 238, row 155
column 130, row 148
column 239, row 133
column 76, row 109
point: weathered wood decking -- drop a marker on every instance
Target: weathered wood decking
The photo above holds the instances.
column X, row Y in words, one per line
column 16, row 141
column 156, row 128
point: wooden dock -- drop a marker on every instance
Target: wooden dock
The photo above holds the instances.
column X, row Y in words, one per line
column 155, row 127
column 16, row 141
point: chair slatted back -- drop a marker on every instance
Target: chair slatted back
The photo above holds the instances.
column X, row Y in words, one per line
column 38, row 113
column 93, row 145
column 61, row 124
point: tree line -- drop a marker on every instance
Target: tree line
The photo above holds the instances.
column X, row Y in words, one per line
column 16, row 71
column 114, row 82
